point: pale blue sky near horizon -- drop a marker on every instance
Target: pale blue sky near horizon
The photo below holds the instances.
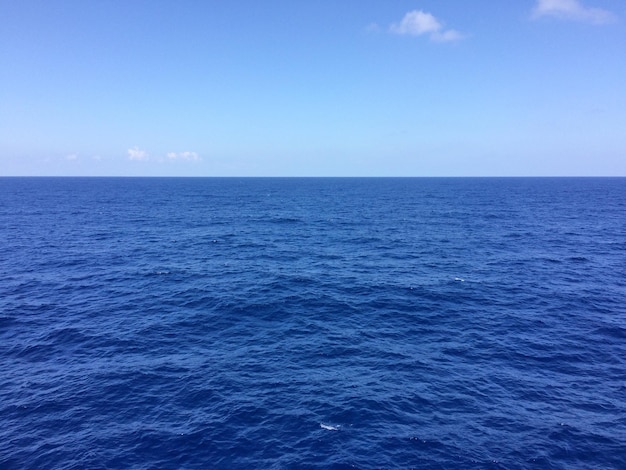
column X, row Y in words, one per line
column 324, row 88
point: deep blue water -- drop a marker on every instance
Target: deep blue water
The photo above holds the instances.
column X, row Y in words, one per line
column 312, row 323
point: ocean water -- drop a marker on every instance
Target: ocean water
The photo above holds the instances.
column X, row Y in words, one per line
column 269, row 323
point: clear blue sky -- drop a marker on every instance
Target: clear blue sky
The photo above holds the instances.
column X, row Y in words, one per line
column 313, row 88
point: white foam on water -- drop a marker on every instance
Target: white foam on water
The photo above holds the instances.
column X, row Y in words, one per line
column 328, row 427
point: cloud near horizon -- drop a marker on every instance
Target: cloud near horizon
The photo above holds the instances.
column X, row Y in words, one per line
column 135, row 153
column 188, row 156
column 572, row 10
column 418, row 23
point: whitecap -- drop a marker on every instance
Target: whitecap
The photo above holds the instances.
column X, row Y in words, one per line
column 328, row 427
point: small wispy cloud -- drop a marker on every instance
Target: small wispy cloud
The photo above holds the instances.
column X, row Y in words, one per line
column 72, row 157
column 572, row 10
column 189, row 156
column 372, row 28
column 418, row 23
column 135, row 153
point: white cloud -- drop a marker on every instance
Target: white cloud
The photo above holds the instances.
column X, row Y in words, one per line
column 447, row 36
column 418, row 22
column 135, row 153
column 72, row 157
column 572, row 10
column 189, row 156
column 372, row 28
column 415, row 23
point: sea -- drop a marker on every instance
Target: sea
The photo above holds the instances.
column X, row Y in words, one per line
column 312, row 323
